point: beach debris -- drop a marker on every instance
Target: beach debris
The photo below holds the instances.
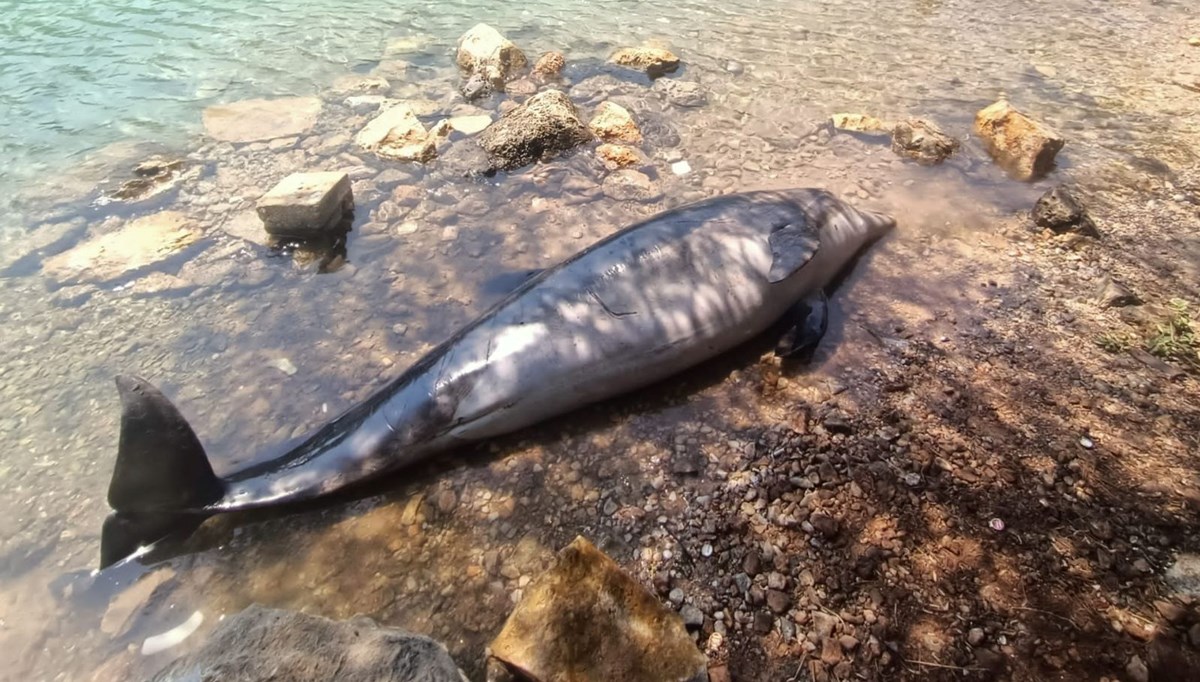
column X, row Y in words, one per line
column 1024, row 148
column 306, row 205
column 585, row 619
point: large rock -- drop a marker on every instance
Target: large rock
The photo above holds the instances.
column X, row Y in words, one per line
column 585, row 620
column 253, row 120
column 482, row 50
column 546, row 124
column 613, row 123
column 1021, row 146
column 922, row 141
column 136, row 245
column 261, row 645
column 306, row 205
column 654, row 61
column 1059, row 211
column 396, row 133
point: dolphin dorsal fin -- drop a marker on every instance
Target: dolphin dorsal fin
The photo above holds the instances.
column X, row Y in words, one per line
column 792, row 246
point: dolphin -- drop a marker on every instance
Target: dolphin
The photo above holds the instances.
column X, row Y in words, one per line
column 643, row 304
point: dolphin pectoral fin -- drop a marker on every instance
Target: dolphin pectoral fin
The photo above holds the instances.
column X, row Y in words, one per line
column 807, row 322
column 792, row 246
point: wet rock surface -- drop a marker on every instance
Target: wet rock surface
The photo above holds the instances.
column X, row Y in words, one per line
column 126, row 250
column 585, row 619
column 922, row 141
column 1023, row 147
column 305, row 205
column 682, row 93
column 485, row 52
column 261, row 644
column 651, row 60
column 546, row 125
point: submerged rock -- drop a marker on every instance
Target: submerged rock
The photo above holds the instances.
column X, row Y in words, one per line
column 545, row 125
column 860, row 123
column 549, row 67
column 1060, row 211
column 261, row 644
column 137, row 245
column 254, row 120
column 469, row 125
column 585, row 619
column 652, row 60
column 681, row 93
column 306, row 205
column 922, row 141
column 630, row 185
column 396, row 133
column 613, row 123
column 617, row 156
column 1024, row 148
column 151, row 178
column 484, row 51
column 477, row 86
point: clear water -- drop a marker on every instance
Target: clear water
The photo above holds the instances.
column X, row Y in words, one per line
column 87, row 87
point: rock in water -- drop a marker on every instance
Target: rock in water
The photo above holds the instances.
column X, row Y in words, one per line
column 652, row 60
column 923, row 141
column 482, row 50
column 586, row 620
column 261, row 644
column 631, row 185
column 545, row 125
column 860, row 123
column 681, row 93
column 305, row 205
column 253, row 120
column 617, row 156
column 398, row 134
column 1060, row 211
column 1023, row 147
column 111, row 256
column 549, row 67
column 613, row 123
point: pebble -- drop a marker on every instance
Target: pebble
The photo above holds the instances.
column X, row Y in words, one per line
column 284, row 365
column 706, row 550
column 975, row 636
column 677, row 596
column 778, row 601
column 681, row 168
column 692, row 617
column 1086, row 443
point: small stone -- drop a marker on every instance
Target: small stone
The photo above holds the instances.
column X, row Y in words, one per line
column 476, row 86
column 778, row 601
column 304, row 205
column 763, row 623
column 1021, row 146
column 610, row 507
column 1142, row 566
column 1170, row 611
column 860, row 123
column 824, row 524
column 1112, row 294
column 613, row 123
column 284, row 365
column 922, row 141
column 521, row 88
column 470, row 125
column 831, row 652
column 693, row 618
column 681, row 168
column 122, row 253
column 1059, row 211
column 1137, row 670
column 752, row 563
column 719, row 673
column 975, row 636
column 617, row 156
column 652, row 60
column 848, row 642
column 549, row 66
column 681, row 93
column 446, row 501
column 837, row 421
column 776, row 580
column 631, row 185
column 677, row 596
column 1194, row 635
column 706, row 550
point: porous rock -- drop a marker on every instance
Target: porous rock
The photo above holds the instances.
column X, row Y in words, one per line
column 261, row 644
column 1059, row 211
column 613, row 123
column 1024, row 148
column 585, row 619
column 483, row 50
column 617, row 156
column 545, row 125
column 630, row 185
column 654, row 61
column 549, row 66
column 304, row 205
column 253, row 120
column 922, row 141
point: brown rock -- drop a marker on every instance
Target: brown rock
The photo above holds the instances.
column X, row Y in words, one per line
column 779, row 601
column 549, row 66
column 860, row 123
column 617, row 156
column 522, row 87
column 613, row 123
column 545, row 125
column 1021, row 146
column 483, row 50
column 306, row 204
column 719, row 673
column 261, row 119
column 831, row 652
column 630, row 185
column 654, row 61
column 922, row 141
column 110, row 256
column 585, row 619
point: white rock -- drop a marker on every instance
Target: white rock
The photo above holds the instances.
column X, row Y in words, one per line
column 681, row 168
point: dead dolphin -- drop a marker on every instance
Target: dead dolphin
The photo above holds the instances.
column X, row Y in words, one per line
column 647, row 302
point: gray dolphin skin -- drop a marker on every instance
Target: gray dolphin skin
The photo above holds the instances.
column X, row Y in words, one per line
column 647, row 302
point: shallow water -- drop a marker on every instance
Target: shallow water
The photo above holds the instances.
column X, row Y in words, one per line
column 87, row 88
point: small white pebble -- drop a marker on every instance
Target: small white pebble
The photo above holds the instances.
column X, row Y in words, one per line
column 1087, row 443
column 681, row 168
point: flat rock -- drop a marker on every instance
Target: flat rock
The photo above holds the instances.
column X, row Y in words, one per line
column 397, row 134
column 136, row 245
column 305, row 205
column 617, row 156
column 470, row 125
column 1059, row 211
column 152, row 177
column 585, row 620
column 253, row 120
column 545, row 125
column 261, row 645
column 1024, row 148
column 613, row 123
column 923, row 141
column 1184, row 575
column 360, row 84
column 630, row 185
column 681, row 93
column 484, row 51
column 860, row 123
column 654, row 61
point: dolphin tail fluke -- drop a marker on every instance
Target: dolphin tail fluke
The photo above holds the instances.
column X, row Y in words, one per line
column 162, row 480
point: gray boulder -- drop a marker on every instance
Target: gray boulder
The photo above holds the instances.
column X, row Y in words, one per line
column 261, row 644
column 545, row 125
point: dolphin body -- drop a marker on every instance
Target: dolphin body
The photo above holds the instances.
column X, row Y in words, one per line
column 643, row 304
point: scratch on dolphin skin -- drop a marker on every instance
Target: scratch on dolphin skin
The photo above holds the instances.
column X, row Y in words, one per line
column 608, row 310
